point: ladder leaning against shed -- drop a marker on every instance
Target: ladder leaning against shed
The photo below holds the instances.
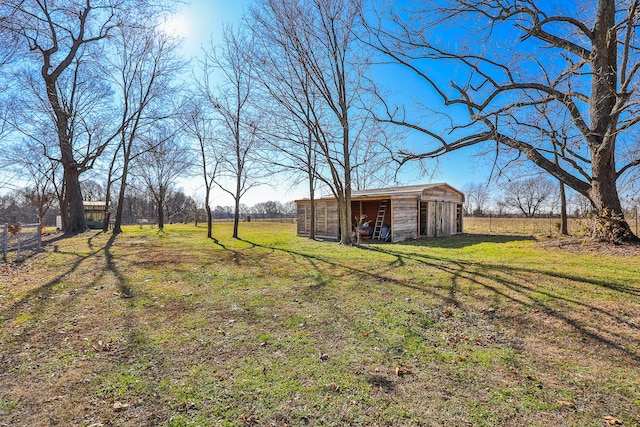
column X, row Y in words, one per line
column 379, row 219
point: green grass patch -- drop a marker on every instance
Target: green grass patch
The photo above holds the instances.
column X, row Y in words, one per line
column 273, row 329
column 7, row 405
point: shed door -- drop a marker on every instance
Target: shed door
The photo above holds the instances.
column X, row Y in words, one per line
column 439, row 219
column 431, row 218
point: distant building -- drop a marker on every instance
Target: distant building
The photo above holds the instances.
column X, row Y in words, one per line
column 95, row 213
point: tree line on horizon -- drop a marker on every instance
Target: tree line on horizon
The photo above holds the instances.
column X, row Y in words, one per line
column 21, row 206
column 96, row 90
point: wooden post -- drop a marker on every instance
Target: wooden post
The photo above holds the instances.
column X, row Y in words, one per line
column 19, row 258
column 5, row 237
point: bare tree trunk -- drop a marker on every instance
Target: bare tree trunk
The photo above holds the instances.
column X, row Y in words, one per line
column 126, row 154
column 604, row 192
column 346, row 238
column 161, row 214
column 564, row 229
column 344, row 228
column 236, row 217
column 239, row 168
column 107, row 197
column 209, row 219
column 107, row 218
column 73, row 200
column 117, row 226
column 312, row 199
column 311, row 169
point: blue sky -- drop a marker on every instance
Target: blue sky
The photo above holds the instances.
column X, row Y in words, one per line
column 199, row 21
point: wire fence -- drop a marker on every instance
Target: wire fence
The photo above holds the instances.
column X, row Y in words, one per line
column 536, row 225
column 284, row 218
column 272, row 217
column 18, row 241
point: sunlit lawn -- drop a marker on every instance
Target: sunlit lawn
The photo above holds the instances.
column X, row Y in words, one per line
column 176, row 329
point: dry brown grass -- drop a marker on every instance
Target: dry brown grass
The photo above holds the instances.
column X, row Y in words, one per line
column 518, row 225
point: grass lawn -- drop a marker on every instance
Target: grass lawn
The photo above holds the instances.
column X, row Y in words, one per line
column 174, row 329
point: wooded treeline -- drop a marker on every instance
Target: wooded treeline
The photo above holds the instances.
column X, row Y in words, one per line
column 138, row 207
column 299, row 91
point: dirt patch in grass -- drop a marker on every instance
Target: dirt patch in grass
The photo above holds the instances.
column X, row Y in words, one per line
column 578, row 245
column 275, row 330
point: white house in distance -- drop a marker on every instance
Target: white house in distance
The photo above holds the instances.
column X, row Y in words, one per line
column 392, row 214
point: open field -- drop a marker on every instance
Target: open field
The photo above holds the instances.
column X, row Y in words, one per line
column 174, row 329
column 518, row 225
column 531, row 226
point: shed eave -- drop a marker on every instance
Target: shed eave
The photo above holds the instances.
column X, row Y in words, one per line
column 389, row 193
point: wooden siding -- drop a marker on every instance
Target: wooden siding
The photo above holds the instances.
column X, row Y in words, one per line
column 404, row 218
column 303, row 219
column 441, row 194
column 321, row 218
column 326, row 219
column 333, row 221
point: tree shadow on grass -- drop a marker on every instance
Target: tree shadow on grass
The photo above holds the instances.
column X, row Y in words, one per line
column 512, row 283
column 38, row 297
column 125, row 290
column 460, row 241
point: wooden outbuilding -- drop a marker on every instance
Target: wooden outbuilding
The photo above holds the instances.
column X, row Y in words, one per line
column 389, row 214
column 95, row 213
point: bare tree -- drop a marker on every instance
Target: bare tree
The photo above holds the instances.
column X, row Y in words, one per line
column 579, row 204
column 142, row 68
column 6, row 163
column 302, row 126
column 59, row 38
column 160, row 164
column 529, row 195
column 38, row 173
column 61, row 43
column 238, row 168
column 516, row 60
column 179, row 207
column 292, row 104
column 8, row 43
column 477, row 197
column 92, row 190
column 322, row 50
column 199, row 125
column 501, row 206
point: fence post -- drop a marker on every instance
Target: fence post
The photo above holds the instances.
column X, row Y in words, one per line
column 5, row 237
column 19, row 258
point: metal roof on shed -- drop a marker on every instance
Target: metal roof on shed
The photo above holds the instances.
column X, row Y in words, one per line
column 408, row 190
